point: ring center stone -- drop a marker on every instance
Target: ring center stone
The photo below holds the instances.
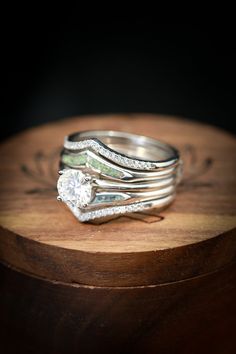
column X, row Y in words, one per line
column 73, row 187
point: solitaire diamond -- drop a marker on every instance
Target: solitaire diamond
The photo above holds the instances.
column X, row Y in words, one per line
column 74, row 186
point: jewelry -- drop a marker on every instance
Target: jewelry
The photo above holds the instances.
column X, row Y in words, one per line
column 110, row 172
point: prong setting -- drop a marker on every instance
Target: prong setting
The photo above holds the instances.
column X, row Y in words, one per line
column 75, row 187
column 87, row 178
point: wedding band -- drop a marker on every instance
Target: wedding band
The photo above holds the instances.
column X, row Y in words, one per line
column 105, row 173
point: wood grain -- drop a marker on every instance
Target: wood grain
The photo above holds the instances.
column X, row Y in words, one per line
column 194, row 236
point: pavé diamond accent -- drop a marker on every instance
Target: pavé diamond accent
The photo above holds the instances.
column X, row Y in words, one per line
column 90, row 215
column 119, row 159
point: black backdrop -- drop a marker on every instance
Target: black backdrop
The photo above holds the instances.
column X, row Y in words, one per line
column 117, row 66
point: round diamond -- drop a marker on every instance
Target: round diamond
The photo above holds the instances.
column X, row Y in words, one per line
column 73, row 186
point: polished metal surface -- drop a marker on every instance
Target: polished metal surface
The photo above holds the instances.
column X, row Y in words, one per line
column 126, row 172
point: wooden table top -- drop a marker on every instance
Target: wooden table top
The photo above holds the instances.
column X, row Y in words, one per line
column 194, row 236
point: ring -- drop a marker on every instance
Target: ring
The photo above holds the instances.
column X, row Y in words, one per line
column 104, row 173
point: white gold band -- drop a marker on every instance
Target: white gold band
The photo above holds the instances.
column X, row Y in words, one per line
column 110, row 172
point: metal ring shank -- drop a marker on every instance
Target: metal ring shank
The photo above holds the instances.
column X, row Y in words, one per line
column 129, row 172
column 131, row 145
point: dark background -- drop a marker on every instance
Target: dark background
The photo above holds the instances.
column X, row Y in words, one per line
column 117, row 66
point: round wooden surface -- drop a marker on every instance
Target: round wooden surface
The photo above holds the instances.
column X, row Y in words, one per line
column 193, row 237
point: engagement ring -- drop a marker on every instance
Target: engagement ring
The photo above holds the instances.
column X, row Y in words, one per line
column 105, row 173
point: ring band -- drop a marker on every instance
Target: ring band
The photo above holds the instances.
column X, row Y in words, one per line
column 111, row 172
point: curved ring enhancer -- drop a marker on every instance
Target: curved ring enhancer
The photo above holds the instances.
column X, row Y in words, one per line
column 110, row 172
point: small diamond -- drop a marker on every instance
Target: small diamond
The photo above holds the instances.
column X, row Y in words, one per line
column 93, row 143
column 73, row 187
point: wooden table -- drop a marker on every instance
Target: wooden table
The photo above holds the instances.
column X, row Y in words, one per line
column 153, row 282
